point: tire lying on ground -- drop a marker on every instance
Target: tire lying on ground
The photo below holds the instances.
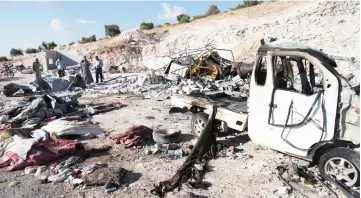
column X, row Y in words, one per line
column 166, row 135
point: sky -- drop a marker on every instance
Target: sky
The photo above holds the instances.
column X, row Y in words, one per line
column 27, row 24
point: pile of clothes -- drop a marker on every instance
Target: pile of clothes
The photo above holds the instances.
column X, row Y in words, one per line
column 134, row 136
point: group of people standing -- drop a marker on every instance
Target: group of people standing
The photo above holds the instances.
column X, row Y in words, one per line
column 84, row 68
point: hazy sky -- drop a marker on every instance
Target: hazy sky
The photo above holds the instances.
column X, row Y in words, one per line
column 27, row 24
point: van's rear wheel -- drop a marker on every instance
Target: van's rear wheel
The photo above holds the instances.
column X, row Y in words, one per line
column 199, row 121
column 341, row 164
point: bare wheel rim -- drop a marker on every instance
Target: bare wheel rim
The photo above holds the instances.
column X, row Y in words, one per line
column 343, row 170
column 198, row 126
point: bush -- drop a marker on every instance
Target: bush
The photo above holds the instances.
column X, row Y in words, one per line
column 247, row 4
column 111, row 30
column 16, row 52
column 48, row 46
column 239, row 6
column 146, row 26
column 40, row 48
column 251, row 3
column 166, row 24
column 198, row 17
column 158, row 26
column 31, row 51
column 212, row 10
column 92, row 38
column 183, row 18
column 3, row 58
column 71, row 43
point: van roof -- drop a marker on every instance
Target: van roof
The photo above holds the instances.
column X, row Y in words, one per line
column 285, row 45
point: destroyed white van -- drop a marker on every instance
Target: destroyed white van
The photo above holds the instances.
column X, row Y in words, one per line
column 298, row 104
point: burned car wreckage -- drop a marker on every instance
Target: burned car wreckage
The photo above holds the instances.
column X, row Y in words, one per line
column 206, row 71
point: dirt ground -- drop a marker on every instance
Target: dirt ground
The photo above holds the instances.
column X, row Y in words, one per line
column 253, row 175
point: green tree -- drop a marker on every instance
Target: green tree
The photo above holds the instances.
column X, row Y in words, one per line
column 92, row 38
column 166, row 24
column 198, row 17
column 251, row 3
column 146, row 26
column 16, row 52
column 111, row 30
column 71, row 43
column 3, row 58
column 212, row 10
column 183, row 18
column 40, row 48
column 31, row 51
column 52, row 45
column 48, row 46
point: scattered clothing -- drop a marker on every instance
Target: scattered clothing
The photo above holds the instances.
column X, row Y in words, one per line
column 42, row 153
column 62, row 127
column 91, row 168
column 40, row 135
column 134, row 136
column 73, row 160
column 20, row 146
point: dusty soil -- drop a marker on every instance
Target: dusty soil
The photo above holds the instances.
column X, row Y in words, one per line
column 253, row 175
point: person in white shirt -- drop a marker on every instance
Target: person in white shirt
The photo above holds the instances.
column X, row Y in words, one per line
column 98, row 64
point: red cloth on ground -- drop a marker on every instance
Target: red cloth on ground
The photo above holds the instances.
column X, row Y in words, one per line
column 134, row 136
column 43, row 153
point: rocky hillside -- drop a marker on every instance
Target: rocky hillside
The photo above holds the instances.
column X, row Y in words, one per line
column 332, row 26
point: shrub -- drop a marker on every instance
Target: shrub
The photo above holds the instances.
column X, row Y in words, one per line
column 212, row 10
column 158, row 26
column 16, row 52
column 146, row 26
column 239, row 6
column 166, row 24
column 198, row 17
column 111, row 30
column 40, row 48
column 3, row 58
column 71, row 43
column 251, row 3
column 48, row 46
column 31, row 51
column 183, row 18
column 92, row 38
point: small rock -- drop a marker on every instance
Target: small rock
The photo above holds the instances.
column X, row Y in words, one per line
column 180, row 194
column 273, row 196
column 285, row 190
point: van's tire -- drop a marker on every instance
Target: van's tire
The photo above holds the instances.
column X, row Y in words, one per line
column 166, row 136
column 198, row 122
column 342, row 164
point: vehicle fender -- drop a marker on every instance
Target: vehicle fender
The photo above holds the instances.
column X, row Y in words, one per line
column 322, row 147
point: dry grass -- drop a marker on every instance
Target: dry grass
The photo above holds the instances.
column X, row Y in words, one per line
column 248, row 12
